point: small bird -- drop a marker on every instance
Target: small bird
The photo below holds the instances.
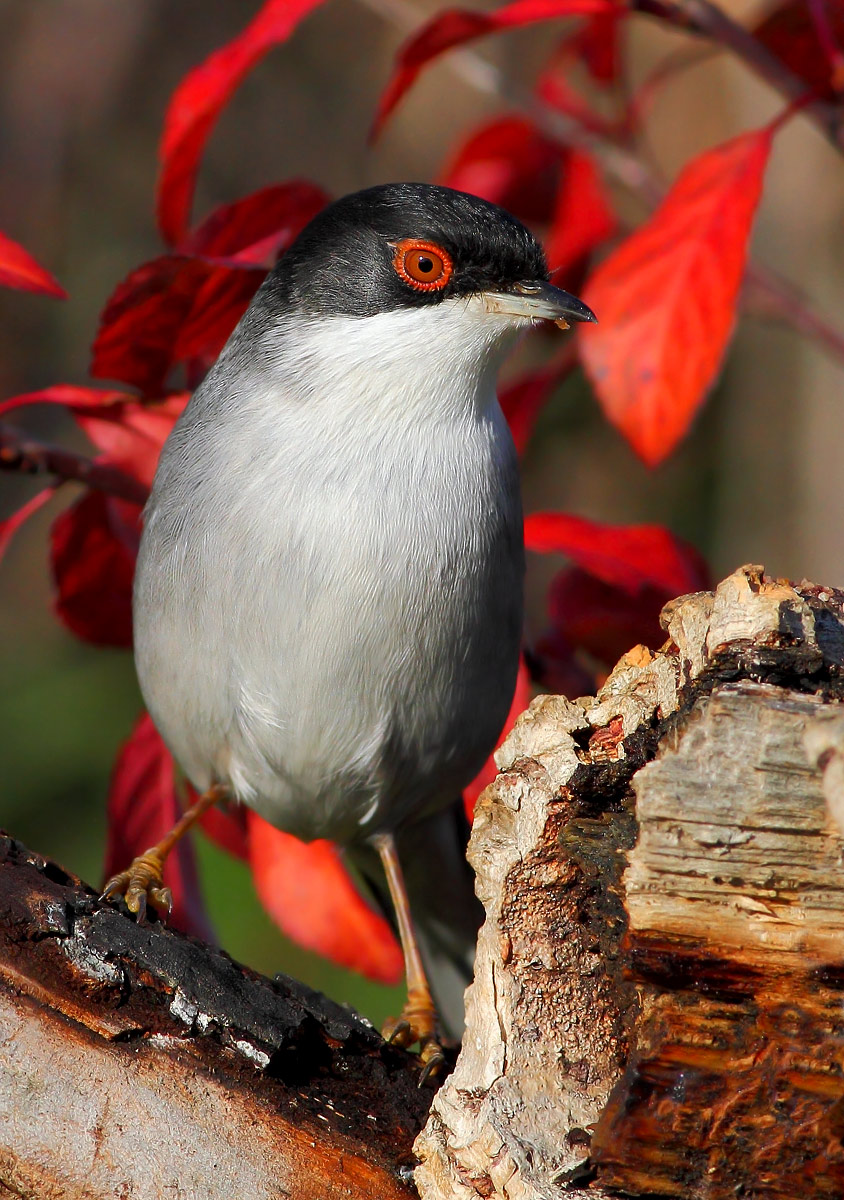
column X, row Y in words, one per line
column 328, row 597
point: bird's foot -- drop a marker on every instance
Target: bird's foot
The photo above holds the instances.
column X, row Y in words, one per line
column 417, row 1023
column 141, row 883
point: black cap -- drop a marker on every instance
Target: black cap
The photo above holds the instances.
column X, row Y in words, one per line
column 348, row 260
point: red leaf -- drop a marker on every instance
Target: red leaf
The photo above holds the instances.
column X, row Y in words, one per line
column 813, row 52
column 456, row 26
column 508, row 162
column 604, row 620
column 132, row 434
column 523, row 401
column 184, row 307
column 141, row 321
column 308, row 892
column 70, row 395
column 596, row 44
column 583, row 218
column 93, row 545
column 219, row 303
column 520, row 701
column 143, row 805
column 554, row 89
column 199, row 99
column 18, row 269
column 10, row 526
column 270, row 219
column 628, row 556
column 666, row 298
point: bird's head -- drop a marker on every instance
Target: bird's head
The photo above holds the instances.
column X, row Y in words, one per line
column 411, row 281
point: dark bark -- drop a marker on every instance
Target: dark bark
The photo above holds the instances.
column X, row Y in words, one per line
column 139, row 1062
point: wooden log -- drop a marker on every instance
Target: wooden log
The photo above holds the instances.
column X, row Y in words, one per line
column 136, row 1062
column 657, row 1005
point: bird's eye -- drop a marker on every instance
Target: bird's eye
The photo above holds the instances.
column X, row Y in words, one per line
column 424, row 266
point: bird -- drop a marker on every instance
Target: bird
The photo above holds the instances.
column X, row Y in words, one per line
column 328, row 598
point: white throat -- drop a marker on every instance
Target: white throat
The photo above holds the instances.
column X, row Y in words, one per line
column 439, row 361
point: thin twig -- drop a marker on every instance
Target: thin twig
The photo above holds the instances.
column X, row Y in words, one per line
column 771, row 297
column 26, row 456
column 705, row 18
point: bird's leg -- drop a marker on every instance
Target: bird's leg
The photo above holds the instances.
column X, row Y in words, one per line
column 142, row 882
column 418, row 1020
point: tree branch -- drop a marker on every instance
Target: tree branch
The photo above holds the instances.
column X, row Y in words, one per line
column 24, row 455
column 707, row 19
column 136, row 1061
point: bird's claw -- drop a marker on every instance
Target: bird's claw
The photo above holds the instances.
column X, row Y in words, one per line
column 417, row 1023
column 141, row 884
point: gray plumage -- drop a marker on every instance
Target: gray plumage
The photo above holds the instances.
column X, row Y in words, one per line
column 328, row 598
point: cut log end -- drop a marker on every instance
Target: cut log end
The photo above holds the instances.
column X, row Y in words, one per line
column 657, row 1005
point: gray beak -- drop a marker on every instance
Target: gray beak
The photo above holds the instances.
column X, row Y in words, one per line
column 538, row 301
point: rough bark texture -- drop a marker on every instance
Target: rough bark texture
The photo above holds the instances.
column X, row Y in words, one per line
column 658, row 1008
column 657, row 1005
column 136, row 1062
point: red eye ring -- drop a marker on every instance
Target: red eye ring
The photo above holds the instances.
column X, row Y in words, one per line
column 424, row 266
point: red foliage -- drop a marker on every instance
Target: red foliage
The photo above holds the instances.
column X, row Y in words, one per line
column 18, row 269
column 583, row 218
column 130, row 433
column 93, row 545
column 10, row 525
column 72, row 396
column 143, row 805
column 603, row 620
column 612, row 598
column 183, row 307
column 256, row 229
column 509, row 162
column 307, row 891
column 199, row 99
column 630, row 557
column 456, row 26
column 596, row 45
column 666, row 298
column 140, row 323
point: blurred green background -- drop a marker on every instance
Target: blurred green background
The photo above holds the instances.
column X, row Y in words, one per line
column 83, row 88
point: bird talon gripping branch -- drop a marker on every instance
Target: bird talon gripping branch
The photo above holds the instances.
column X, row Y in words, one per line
column 143, row 880
column 417, row 1025
column 141, row 883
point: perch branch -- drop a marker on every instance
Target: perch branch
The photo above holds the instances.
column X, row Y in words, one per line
column 24, row 455
column 136, row 1061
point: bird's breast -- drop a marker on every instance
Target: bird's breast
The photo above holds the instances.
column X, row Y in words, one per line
column 348, row 615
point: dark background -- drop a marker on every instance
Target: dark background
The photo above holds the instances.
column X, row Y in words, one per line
column 84, row 85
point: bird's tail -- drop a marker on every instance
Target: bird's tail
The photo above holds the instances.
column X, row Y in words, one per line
column 446, row 913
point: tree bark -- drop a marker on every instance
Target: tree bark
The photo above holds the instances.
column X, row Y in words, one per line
column 137, row 1062
column 657, row 1005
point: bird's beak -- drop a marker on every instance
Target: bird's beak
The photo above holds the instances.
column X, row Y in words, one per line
column 538, row 301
